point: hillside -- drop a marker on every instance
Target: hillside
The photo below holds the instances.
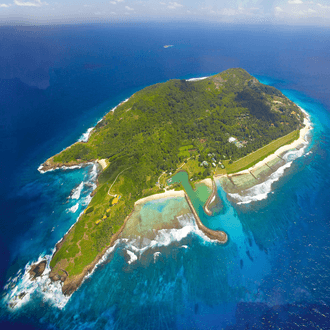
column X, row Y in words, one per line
column 156, row 130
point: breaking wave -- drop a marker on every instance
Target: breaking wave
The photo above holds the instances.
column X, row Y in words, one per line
column 77, row 191
column 21, row 289
column 74, row 208
column 85, row 136
column 260, row 191
column 132, row 256
column 165, row 237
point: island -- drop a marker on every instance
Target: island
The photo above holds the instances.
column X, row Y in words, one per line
column 213, row 127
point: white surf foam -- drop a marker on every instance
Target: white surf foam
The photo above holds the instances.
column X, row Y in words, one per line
column 74, row 208
column 103, row 259
column 22, row 285
column 132, row 256
column 40, row 169
column 156, row 256
column 85, row 136
column 20, row 289
column 113, row 109
column 23, row 288
column 77, row 191
column 260, row 191
column 165, row 237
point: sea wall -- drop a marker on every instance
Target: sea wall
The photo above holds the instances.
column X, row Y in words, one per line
column 210, row 199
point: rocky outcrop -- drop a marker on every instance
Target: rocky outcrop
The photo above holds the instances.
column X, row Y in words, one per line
column 49, row 164
column 37, row 269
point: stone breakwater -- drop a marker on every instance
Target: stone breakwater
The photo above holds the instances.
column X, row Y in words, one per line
column 210, row 199
column 218, row 235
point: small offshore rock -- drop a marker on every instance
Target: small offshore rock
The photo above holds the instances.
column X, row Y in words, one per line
column 37, row 269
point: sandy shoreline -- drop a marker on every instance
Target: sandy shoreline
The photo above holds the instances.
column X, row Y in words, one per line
column 169, row 193
column 207, row 182
column 104, row 163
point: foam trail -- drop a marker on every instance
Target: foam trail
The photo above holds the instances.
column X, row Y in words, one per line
column 156, row 255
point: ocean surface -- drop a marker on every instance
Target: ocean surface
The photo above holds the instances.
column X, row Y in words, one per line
column 57, row 82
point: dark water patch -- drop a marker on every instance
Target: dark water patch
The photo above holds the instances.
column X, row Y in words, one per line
column 249, row 255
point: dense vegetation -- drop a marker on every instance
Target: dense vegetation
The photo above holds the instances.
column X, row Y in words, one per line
column 158, row 128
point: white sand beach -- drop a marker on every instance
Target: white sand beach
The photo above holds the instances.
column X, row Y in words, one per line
column 207, row 182
column 169, row 193
column 103, row 162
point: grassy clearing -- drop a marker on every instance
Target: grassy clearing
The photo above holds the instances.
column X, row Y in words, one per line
column 260, row 154
column 192, row 167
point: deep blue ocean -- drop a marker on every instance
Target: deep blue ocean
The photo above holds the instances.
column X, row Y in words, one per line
column 57, row 81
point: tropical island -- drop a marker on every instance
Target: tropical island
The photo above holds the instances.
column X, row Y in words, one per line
column 218, row 126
